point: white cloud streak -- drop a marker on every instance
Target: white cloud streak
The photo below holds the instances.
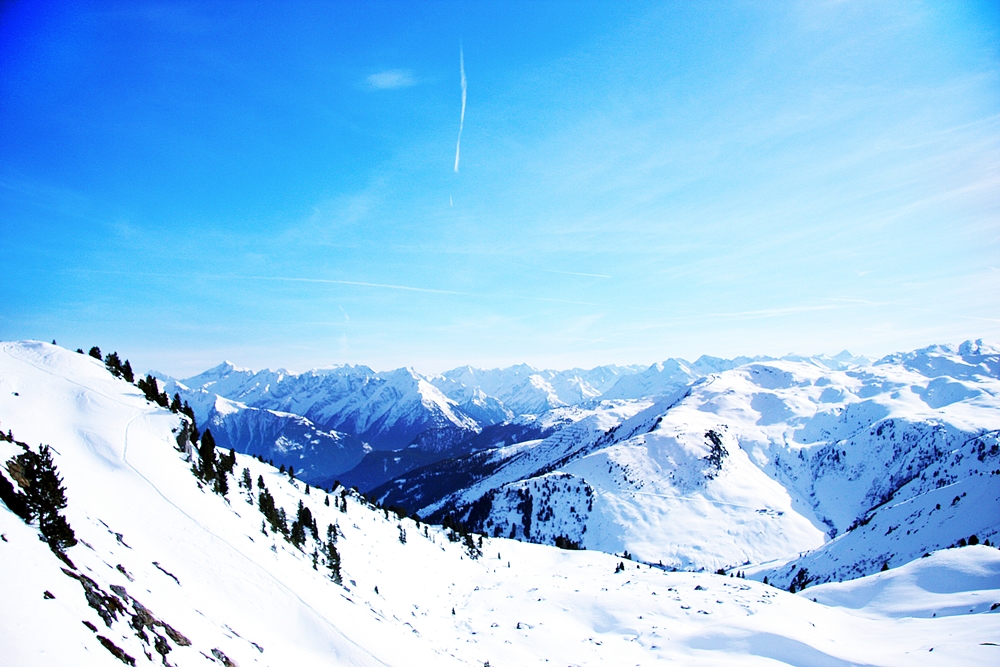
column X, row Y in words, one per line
column 461, row 122
column 391, row 80
column 576, row 273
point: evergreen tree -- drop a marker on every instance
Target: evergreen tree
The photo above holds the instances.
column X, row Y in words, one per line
column 206, row 453
column 95, row 352
column 149, row 388
column 175, row 405
column 127, row 372
column 247, row 481
column 221, row 483
column 298, row 534
column 274, row 516
column 44, row 495
column 303, row 521
column 282, row 521
column 332, row 555
column 226, row 462
column 113, row 364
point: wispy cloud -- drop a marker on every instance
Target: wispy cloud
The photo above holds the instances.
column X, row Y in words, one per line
column 461, row 122
column 283, row 279
column 357, row 283
column 576, row 273
column 391, row 79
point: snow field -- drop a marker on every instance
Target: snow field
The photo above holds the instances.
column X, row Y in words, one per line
column 202, row 564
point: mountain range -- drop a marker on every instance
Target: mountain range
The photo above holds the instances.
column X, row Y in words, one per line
column 172, row 568
column 795, row 461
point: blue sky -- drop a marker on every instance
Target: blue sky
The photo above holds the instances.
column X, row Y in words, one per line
column 274, row 184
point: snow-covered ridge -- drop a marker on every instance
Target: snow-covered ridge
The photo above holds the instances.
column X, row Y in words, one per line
column 778, row 455
column 386, row 410
column 163, row 552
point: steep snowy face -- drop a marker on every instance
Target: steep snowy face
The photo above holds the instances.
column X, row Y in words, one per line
column 779, row 456
column 839, row 442
column 285, row 439
column 386, row 410
column 487, row 410
column 626, row 480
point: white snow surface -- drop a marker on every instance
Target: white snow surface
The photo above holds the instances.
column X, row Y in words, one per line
column 893, row 459
column 201, row 564
column 952, row 582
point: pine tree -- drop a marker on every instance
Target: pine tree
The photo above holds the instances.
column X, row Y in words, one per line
column 175, row 405
column 221, row 483
column 298, row 534
column 127, row 372
column 44, row 495
column 95, row 352
column 332, row 555
column 247, row 482
column 149, row 388
column 113, row 364
column 226, row 463
column 206, row 453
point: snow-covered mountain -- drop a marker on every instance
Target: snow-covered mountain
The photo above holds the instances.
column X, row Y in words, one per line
column 285, row 439
column 386, row 410
column 659, row 379
column 423, row 419
column 524, row 389
column 777, row 456
column 166, row 572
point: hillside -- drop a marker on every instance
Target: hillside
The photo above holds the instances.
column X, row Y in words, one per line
column 168, row 572
column 766, row 458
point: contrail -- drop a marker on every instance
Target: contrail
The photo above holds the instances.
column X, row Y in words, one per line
column 461, row 123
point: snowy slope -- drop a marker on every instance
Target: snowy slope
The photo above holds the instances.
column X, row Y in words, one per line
column 758, row 463
column 619, row 480
column 204, row 568
column 952, row 582
column 195, row 573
